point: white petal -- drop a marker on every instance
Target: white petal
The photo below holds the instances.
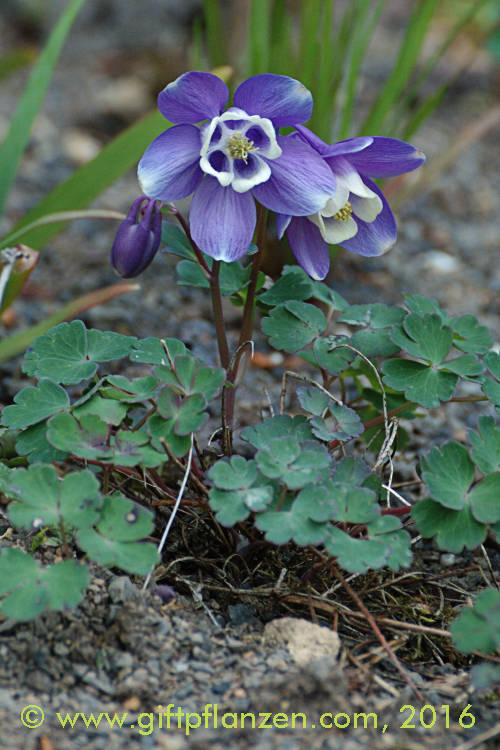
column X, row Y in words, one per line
column 224, row 178
column 349, row 177
column 337, row 200
column 366, row 209
column 241, row 183
column 334, row 232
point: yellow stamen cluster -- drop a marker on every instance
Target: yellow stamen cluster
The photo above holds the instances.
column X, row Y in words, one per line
column 239, row 146
column 344, row 213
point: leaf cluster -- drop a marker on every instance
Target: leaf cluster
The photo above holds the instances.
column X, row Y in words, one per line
column 297, row 492
column 110, row 529
column 111, row 419
column 464, row 486
column 77, row 411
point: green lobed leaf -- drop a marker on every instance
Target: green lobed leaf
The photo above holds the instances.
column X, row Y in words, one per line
column 132, row 448
column 293, row 284
column 161, row 429
column 389, row 530
column 332, row 500
column 343, row 424
column 313, row 400
column 69, row 353
column 374, row 343
column 424, row 336
column 281, row 425
column 373, row 315
column 453, row 529
column 477, row 628
column 233, row 277
column 486, row 445
column 484, row 499
column 240, row 489
column 290, row 523
column 32, row 442
column 492, row 362
column 419, row 382
column 420, row 305
column 130, row 391
column 117, row 538
column 330, row 355
column 107, row 409
column 175, row 240
column 34, row 404
column 448, row 473
column 233, row 474
column 467, row 366
column 192, row 376
column 293, row 324
column 86, row 437
column 31, row 590
column 233, row 506
column 188, row 414
column 296, row 464
column 470, row 336
column 329, row 296
column 42, row 499
column 190, row 273
column 491, row 387
column 356, row 555
column 151, row 350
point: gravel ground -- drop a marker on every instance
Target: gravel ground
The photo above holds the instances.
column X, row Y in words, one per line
column 126, row 651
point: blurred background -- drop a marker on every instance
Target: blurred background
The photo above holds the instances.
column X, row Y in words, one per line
column 424, row 71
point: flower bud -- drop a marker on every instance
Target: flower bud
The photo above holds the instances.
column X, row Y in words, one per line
column 137, row 239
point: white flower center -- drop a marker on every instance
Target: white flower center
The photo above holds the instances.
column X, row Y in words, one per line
column 235, row 148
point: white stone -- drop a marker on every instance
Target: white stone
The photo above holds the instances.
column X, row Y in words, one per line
column 305, row 641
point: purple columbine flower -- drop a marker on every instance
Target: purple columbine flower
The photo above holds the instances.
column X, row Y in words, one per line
column 234, row 157
column 137, row 239
column 356, row 215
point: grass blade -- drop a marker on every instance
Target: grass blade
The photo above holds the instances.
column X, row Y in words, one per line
column 362, row 36
column 403, row 66
column 88, row 182
column 17, row 137
column 260, row 36
column 215, row 33
column 282, row 61
column 411, row 95
column 321, row 121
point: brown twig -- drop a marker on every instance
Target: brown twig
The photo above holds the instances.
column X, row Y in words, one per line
column 380, row 636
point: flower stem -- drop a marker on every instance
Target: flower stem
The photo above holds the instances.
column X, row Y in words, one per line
column 199, row 255
column 247, row 323
column 218, row 315
column 228, row 393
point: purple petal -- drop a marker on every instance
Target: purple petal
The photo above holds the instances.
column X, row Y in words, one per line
column 193, row 97
column 283, row 100
column 387, row 157
column 222, row 221
column 309, row 248
column 325, row 149
column 282, row 222
column 169, row 168
column 376, row 237
column 349, row 146
column 301, row 181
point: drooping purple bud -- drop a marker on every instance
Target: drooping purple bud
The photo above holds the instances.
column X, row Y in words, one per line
column 137, row 239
